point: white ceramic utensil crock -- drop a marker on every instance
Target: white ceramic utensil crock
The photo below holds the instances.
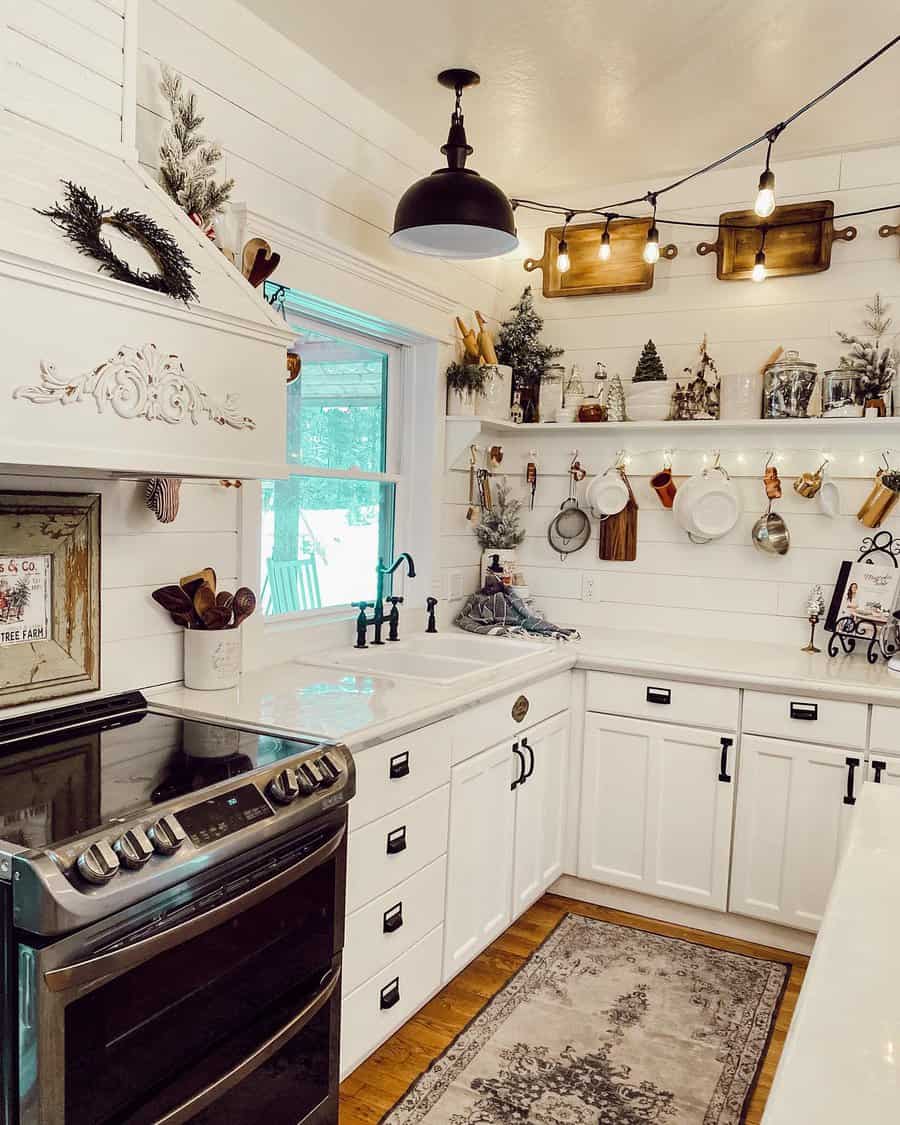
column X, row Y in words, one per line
column 212, row 658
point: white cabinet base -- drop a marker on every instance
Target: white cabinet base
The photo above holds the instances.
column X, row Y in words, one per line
column 681, row 914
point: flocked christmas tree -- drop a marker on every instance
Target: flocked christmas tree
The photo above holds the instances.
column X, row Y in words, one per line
column 519, row 346
column 649, row 366
column 615, row 400
column 501, row 526
column 187, row 160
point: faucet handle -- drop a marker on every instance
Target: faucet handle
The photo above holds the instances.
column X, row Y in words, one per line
column 362, row 605
column 394, row 600
column 431, row 602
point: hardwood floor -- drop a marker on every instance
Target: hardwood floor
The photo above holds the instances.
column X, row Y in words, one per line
column 370, row 1091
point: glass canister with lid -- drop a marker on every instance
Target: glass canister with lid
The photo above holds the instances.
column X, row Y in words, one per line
column 788, row 387
column 842, row 394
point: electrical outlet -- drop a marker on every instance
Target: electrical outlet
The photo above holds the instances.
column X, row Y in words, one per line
column 588, row 587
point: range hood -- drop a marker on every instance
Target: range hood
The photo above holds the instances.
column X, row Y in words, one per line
column 100, row 374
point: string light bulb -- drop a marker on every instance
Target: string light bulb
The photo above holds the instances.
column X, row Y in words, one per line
column 765, row 198
column 605, row 251
column 563, row 262
column 758, row 273
column 651, row 246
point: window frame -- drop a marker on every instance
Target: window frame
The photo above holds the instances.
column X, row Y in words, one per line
column 396, row 474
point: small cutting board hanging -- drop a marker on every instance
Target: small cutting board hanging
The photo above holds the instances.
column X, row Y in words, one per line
column 618, row 533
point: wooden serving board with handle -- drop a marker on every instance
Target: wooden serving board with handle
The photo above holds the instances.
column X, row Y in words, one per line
column 619, row 533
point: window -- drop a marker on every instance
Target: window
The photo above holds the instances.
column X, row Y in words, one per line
column 326, row 525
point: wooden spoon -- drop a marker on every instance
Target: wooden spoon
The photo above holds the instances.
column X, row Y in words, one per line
column 204, row 600
column 186, row 619
column 215, row 618
column 244, row 605
column 192, row 582
column 225, row 601
column 172, row 598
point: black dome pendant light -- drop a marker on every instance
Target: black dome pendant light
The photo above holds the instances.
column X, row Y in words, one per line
column 454, row 212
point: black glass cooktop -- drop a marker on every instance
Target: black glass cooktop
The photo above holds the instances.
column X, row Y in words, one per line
column 72, row 769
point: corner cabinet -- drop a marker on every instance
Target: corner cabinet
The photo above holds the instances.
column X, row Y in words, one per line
column 657, row 804
column 507, row 821
column 796, row 805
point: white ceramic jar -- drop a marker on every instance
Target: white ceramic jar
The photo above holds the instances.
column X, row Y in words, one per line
column 212, row 658
column 460, row 404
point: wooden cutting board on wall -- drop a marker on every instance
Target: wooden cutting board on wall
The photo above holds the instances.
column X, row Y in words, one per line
column 619, row 533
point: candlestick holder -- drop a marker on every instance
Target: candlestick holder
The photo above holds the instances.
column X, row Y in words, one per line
column 813, row 622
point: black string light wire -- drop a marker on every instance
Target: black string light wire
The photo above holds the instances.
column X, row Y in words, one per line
column 766, row 192
column 605, row 251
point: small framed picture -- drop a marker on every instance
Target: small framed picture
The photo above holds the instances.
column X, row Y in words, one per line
column 865, row 595
column 49, row 595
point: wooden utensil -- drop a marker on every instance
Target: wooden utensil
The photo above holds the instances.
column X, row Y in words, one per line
column 485, row 341
column 204, row 600
column 244, row 604
column 191, row 582
column 185, row 618
column 225, row 601
column 215, row 618
column 172, row 598
column 618, row 533
column 469, row 341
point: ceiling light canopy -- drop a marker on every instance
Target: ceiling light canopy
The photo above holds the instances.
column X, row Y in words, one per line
column 454, row 212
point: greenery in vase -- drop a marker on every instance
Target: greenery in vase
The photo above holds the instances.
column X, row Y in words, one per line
column 468, row 378
column 876, row 365
column 501, row 526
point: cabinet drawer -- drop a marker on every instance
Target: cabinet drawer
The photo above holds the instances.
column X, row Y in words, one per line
column 509, row 715
column 812, row 720
column 885, row 729
column 614, row 693
column 384, row 929
column 390, row 849
column 374, row 1011
column 398, row 772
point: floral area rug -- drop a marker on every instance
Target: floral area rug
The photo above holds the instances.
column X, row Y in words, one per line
column 608, row 1025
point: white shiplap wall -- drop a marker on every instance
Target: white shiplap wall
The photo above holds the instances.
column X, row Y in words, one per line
column 726, row 588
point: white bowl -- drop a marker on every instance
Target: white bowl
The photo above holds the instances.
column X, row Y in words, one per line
column 648, row 411
column 606, row 495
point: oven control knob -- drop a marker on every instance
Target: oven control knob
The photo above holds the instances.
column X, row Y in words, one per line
column 283, row 788
column 98, row 863
column 133, row 848
column 328, row 771
column 307, row 780
column 166, row 835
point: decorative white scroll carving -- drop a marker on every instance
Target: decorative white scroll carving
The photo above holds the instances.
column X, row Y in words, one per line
column 138, row 383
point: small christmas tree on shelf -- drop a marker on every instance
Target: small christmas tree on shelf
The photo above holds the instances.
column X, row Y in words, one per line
column 519, row 346
column 649, row 366
column 615, row 400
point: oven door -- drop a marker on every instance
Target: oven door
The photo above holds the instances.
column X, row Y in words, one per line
column 219, row 1001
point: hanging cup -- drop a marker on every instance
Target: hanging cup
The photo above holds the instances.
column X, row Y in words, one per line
column 881, row 501
column 808, row 484
column 665, row 487
column 772, row 483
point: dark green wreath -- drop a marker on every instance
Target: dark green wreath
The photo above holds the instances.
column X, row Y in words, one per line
column 82, row 220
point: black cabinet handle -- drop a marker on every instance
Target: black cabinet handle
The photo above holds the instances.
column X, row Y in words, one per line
column 809, row 711
column 852, row 764
column 520, row 778
column 659, row 695
column 396, row 840
column 724, row 775
column 530, row 770
column 393, row 919
column 399, row 765
column 879, row 768
column 390, row 994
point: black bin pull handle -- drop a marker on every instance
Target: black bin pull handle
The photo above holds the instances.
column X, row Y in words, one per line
column 392, row 919
column 659, row 695
column 520, row 777
column 530, row 769
column 390, row 994
column 808, row 711
column 396, row 840
column 724, row 775
column 852, row 764
column 399, row 766
column 879, row 768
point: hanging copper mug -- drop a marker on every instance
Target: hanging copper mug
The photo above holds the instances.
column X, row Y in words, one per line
column 772, row 483
column 664, row 487
column 881, row 501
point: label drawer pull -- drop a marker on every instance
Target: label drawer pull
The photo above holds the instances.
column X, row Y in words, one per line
column 659, row 695
column 393, row 919
column 396, row 840
column 399, row 765
column 808, row 711
column 390, row 994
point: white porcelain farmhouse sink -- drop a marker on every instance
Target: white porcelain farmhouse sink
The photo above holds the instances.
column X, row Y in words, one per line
column 438, row 658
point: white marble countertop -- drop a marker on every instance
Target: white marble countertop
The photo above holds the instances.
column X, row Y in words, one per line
column 841, row 1062
column 300, row 698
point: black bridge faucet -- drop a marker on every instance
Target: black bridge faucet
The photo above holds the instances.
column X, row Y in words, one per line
column 377, row 619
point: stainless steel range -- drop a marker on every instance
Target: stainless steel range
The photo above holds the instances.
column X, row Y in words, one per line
column 172, row 917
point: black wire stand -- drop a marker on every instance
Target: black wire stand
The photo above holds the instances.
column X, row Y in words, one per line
column 879, row 637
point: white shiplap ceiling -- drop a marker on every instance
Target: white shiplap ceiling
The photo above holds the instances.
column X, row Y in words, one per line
column 603, row 91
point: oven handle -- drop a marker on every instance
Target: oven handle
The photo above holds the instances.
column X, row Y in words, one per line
column 119, row 961
column 252, row 1062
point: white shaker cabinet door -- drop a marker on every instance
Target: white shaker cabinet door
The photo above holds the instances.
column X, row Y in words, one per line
column 795, row 803
column 657, row 803
column 540, row 810
column 480, row 854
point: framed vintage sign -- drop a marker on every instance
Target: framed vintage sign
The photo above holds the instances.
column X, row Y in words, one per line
column 49, row 595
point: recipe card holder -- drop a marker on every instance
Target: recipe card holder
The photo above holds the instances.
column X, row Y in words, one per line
column 880, row 638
